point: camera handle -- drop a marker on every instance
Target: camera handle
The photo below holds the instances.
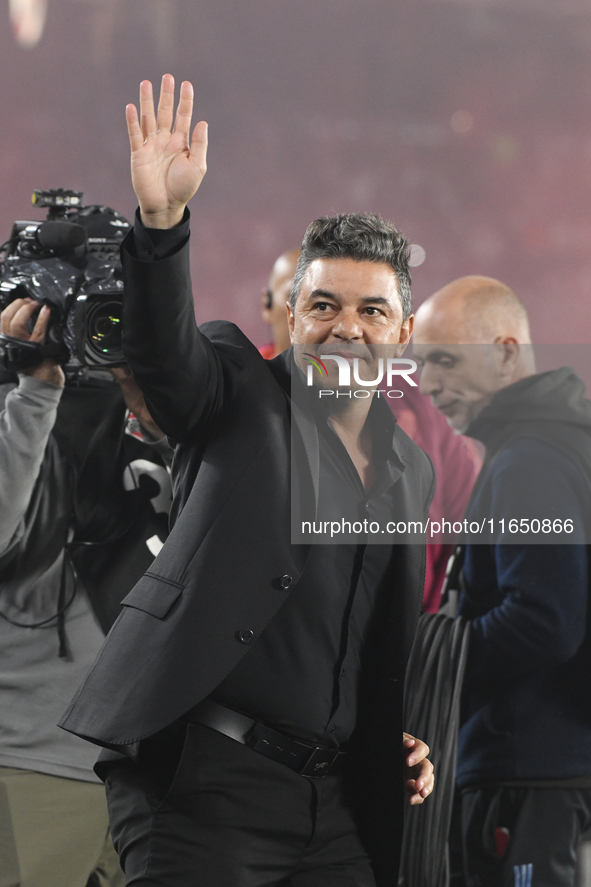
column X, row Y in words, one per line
column 18, row 354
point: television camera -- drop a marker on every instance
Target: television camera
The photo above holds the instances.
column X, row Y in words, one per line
column 69, row 262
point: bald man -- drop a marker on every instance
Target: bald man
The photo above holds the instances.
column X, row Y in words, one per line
column 472, row 311
column 274, row 303
column 526, row 794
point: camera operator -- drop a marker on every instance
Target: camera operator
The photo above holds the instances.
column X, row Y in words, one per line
column 64, row 467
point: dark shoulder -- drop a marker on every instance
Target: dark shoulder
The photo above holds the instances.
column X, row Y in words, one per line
column 224, row 332
column 232, row 344
column 533, row 456
column 243, row 365
column 529, row 477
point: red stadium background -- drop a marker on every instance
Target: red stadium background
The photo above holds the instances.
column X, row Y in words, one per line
column 467, row 123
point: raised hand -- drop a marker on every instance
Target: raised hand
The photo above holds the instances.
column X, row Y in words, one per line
column 166, row 166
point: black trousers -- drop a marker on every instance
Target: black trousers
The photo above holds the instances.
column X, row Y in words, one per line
column 201, row 809
column 523, row 837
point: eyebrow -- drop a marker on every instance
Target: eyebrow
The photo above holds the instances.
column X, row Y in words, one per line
column 375, row 300
column 366, row 300
column 435, row 355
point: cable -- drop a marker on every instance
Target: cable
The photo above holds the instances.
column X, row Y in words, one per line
column 432, row 711
column 63, row 605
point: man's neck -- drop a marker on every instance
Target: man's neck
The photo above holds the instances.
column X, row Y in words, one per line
column 349, row 415
column 350, row 424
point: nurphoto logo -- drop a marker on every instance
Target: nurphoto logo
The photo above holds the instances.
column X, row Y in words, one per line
column 388, row 368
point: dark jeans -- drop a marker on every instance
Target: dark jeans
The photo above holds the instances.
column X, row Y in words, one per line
column 201, row 809
column 523, row 837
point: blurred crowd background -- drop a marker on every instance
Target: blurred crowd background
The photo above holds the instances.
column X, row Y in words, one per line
column 467, row 122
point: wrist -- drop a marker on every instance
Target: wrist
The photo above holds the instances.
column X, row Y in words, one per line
column 151, row 428
column 48, row 371
column 164, row 219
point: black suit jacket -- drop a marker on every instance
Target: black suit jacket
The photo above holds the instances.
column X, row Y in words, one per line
column 181, row 630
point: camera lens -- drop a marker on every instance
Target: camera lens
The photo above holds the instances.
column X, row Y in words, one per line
column 104, row 328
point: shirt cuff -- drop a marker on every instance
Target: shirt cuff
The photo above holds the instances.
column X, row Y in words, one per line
column 162, row 447
column 151, row 244
column 39, row 389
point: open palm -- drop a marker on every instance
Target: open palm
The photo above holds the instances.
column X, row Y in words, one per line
column 166, row 166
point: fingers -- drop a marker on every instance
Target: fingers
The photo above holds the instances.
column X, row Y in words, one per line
column 148, row 124
column 166, row 103
column 416, row 748
column 421, row 786
column 417, row 797
column 419, row 779
column 199, row 146
column 136, row 136
column 9, row 312
column 147, row 116
column 40, row 328
column 184, row 111
column 14, row 320
column 423, row 778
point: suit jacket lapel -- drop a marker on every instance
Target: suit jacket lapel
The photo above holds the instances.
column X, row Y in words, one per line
column 304, row 425
column 304, row 432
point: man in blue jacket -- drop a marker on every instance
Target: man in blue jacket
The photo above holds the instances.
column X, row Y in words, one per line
column 524, row 586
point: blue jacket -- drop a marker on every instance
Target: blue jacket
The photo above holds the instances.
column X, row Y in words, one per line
column 527, row 712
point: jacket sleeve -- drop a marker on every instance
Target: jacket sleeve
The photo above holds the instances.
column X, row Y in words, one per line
column 27, row 417
column 534, row 615
column 176, row 366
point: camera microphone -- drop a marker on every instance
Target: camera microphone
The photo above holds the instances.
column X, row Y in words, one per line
column 60, row 237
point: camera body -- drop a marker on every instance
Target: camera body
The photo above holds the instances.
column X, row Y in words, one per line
column 69, row 262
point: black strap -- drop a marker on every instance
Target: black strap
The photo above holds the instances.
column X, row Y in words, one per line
column 18, row 354
column 61, row 616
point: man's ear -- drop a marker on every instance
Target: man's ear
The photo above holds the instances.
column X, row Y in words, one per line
column 290, row 321
column 510, row 355
column 266, row 305
column 405, row 334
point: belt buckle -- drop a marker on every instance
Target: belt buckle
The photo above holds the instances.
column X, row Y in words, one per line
column 319, row 762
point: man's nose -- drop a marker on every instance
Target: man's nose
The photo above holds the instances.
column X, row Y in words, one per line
column 347, row 326
column 429, row 381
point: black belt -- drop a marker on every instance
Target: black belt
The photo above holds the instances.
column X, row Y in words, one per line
column 306, row 759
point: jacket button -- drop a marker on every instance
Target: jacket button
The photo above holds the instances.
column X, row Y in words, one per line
column 245, row 635
column 285, row 581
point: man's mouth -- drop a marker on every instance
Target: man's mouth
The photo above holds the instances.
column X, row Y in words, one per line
column 446, row 408
column 348, row 354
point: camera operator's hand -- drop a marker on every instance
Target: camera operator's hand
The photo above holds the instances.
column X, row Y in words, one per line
column 13, row 322
column 166, row 167
column 134, row 399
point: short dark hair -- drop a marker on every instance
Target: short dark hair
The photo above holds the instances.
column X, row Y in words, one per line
column 363, row 237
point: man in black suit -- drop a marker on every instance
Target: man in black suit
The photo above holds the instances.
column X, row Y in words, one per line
column 251, row 690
